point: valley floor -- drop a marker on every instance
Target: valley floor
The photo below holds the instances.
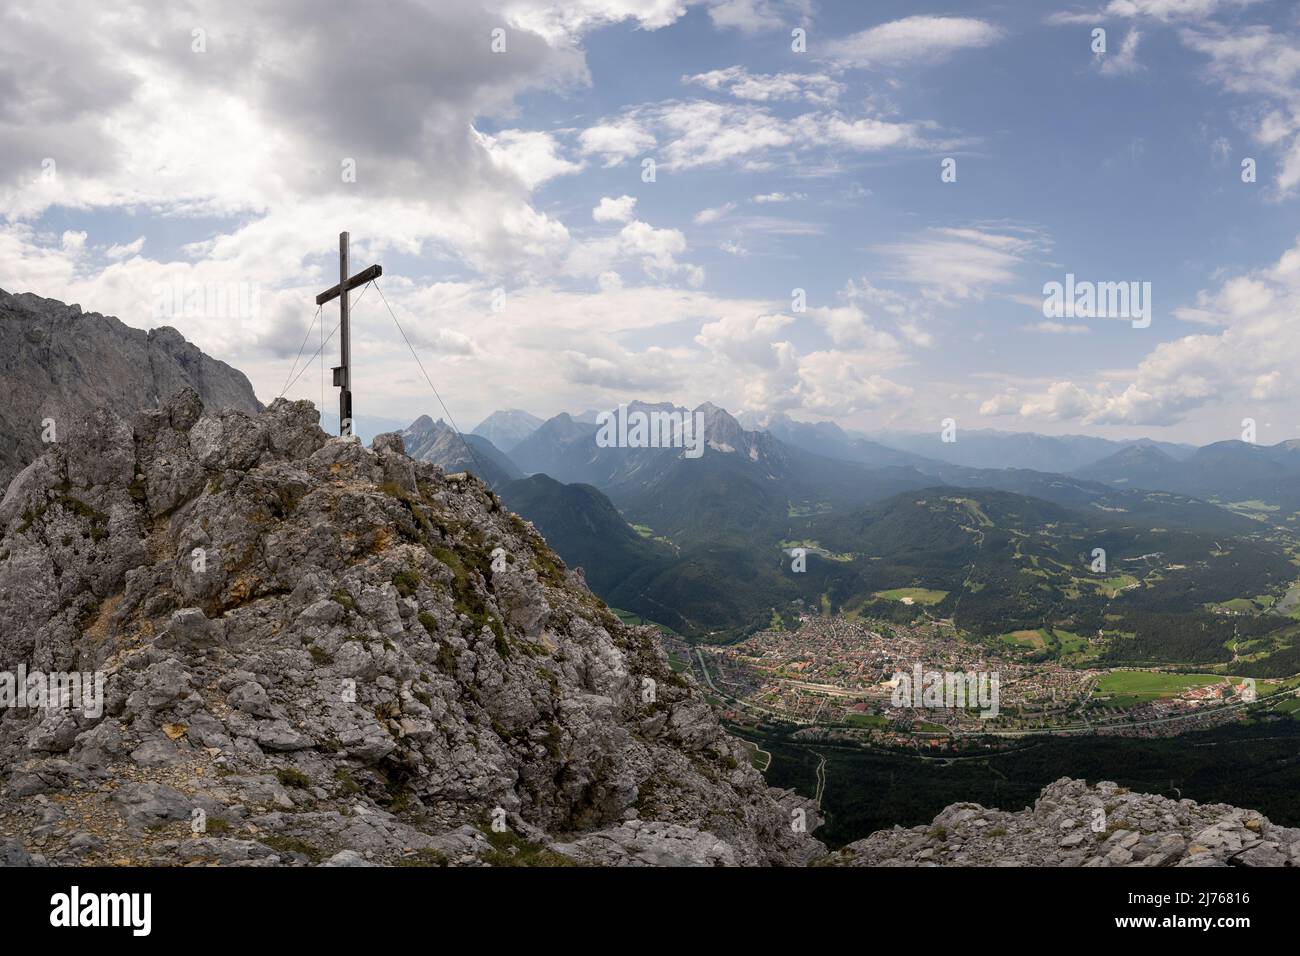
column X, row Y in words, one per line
column 817, row 708
column 863, row 788
column 841, row 676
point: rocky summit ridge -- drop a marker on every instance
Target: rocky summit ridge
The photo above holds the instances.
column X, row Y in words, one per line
column 317, row 652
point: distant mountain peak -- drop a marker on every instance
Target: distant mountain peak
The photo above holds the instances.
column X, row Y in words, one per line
column 563, row 421
column 507, row 428
column 722, row 432
column 1144, row 451
column 436, row 441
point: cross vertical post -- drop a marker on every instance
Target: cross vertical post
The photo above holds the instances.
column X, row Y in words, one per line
column 345, row 342
column 343, row 373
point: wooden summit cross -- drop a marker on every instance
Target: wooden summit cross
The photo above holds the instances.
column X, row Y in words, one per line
column 343, row 373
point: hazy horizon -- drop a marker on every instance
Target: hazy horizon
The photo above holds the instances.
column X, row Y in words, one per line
column 855, row 215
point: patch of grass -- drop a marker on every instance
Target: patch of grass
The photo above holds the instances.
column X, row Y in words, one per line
column 1112, row 587
column 394, row 490
column 424, row 857
column 1150, row 684
column 407, row 582
column 866, row 720
column 449, row 558
column 629, row 618
column 510, row 849
column 30, row 517
column 293, row 777
column 912, row 595
column 98, row 520
column 346, row 782
column 466, row 597
column 546, row 567
column 554, row 740
column 290, row 844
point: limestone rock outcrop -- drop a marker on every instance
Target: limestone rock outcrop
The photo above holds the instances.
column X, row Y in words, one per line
column 57, row 361
column 314, row 652
column 1074, row 824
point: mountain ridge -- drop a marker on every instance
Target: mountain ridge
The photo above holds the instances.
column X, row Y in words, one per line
column 56, row 360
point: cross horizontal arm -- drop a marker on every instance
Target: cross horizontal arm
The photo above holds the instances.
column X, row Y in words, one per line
column 361, row 278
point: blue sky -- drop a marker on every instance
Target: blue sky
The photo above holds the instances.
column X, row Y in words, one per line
column 482, row 172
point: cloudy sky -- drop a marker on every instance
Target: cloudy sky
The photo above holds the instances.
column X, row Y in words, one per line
column 493, row 156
